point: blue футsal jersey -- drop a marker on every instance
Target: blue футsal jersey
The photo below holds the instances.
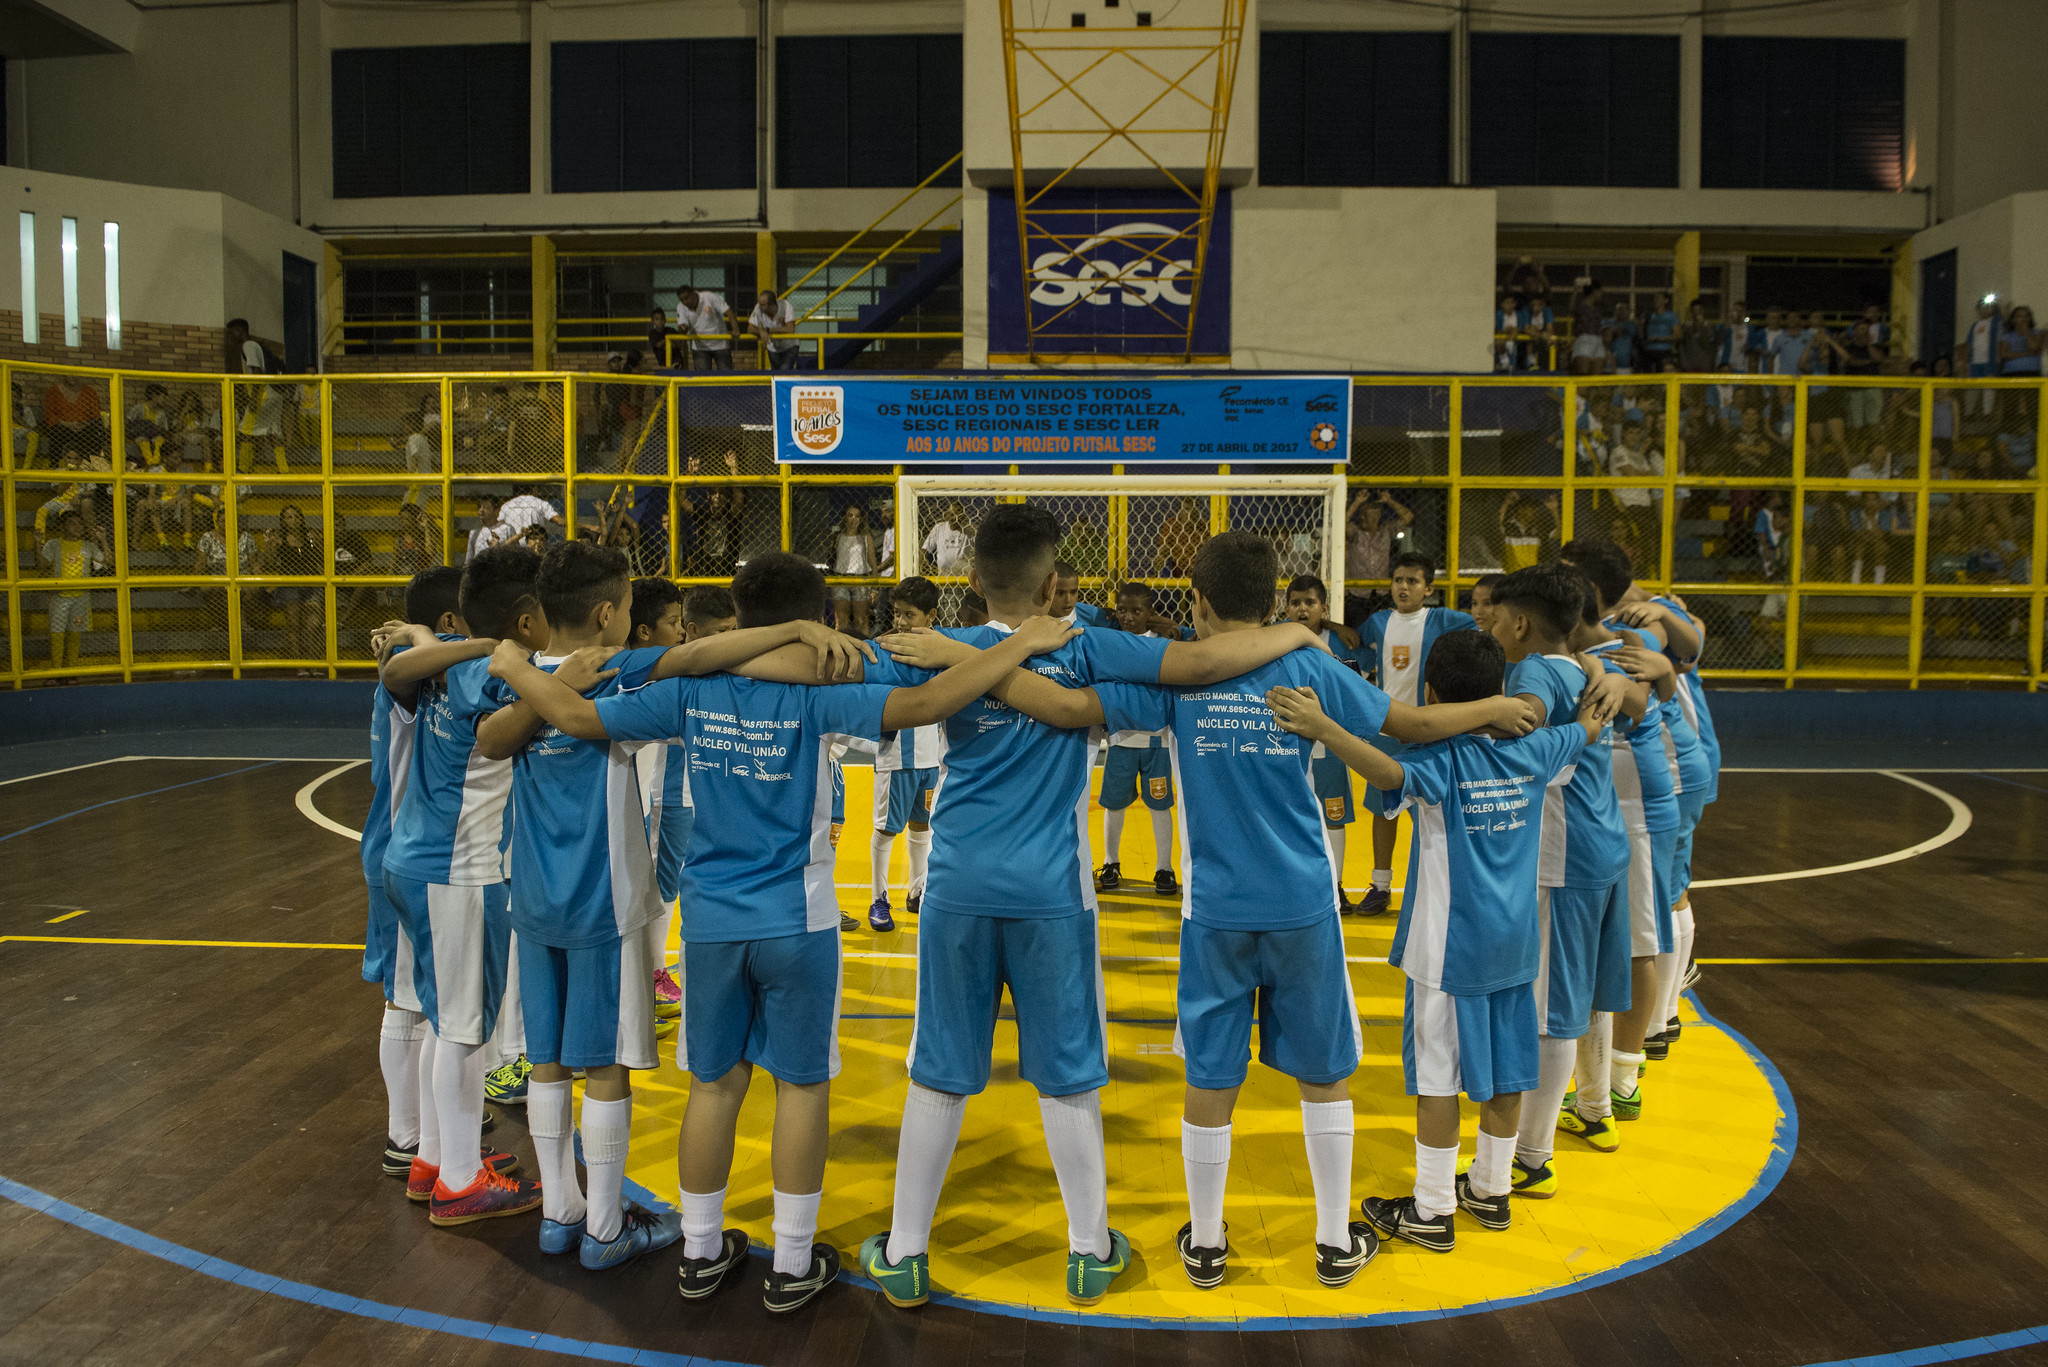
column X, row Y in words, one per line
column 582, row 870
column 1693, row 700
column 1090, row 616
column 759, row 862
column 1468, row 922
column 916, row 747
column 1010, row 825
column 1584, row 843
column 1252, row 850
column 453, row 822
column 1395, row 645
column 1685, row 753
column 1642, row 764
column 664, row 773
column 391, row 726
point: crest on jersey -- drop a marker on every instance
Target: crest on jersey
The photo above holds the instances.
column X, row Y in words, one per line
column 1399, row 656
column 817, row 417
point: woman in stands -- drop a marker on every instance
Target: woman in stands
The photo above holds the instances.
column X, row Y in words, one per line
column 853, row 553
column 294, row 549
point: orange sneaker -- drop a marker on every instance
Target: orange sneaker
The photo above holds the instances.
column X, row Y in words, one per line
column 421, row 1177
column 492, row 1194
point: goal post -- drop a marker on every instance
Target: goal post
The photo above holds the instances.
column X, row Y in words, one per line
column 1116, row 528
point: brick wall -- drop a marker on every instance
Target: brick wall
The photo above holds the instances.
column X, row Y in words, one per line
column 144, row 346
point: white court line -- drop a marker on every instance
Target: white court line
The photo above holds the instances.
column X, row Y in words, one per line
column 50, row 773
column 1958, row 822
column 304, row 799
column 1107, row 958
column 1904, row 768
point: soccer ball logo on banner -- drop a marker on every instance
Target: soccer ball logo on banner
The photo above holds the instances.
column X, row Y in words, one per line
column 817, row 418
column 1322, row 436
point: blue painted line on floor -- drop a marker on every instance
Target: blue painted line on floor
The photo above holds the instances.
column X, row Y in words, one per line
column 2010, row 783
column 1960, row 1351
column 114, row 801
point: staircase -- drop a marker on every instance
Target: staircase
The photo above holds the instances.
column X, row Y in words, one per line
column 895, row 303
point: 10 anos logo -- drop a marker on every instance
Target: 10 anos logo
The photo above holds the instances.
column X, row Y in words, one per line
column 1133, row 283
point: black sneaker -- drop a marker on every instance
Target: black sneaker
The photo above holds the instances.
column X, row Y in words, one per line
column 1345, row 906
column 783, row 1292
column 1673, row 1028
column 912, row 903
column 1375, row 902
column 1337, row 1266
column 847, row 923
column 398, row 1157
column 697, row 1278
column 1204, row 1266
column 1657, row 1047
column 1490, row 1211
column 490, row 1121
column 1691, row 978
column 1111, row 877
column 1165, row 884
column 1395, row 1217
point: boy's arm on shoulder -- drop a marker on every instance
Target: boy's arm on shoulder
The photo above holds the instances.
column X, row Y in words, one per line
column 506, row 731
column 829, row 656
column 1041, row 699
column 544, row 696
column 1300, row 712
column 795, row 663
column 1440, row 721
column 942, row 696
column 403, row 673
column 1231, row 653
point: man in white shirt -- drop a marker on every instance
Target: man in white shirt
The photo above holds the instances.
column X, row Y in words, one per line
column 773, row 322
column 527, row 509
column 951, row 545
column 707, row 318
column 490, row 530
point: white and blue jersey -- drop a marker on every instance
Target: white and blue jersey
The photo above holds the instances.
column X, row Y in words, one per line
column 1584, row 842
column 664, row 773
column 1351, row 659
column 759, row 862
column 992, row 855
column 1253, row 854
column 1468, row 924
column 1692, row 695
column 1089, row 616
column 391, row 725
column 912, row 748
column 1394, row 646
column 453, row 824
column 1643, row 782
column 582, row 870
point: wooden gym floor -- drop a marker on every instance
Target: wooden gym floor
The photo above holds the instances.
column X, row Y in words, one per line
column 189, row 1137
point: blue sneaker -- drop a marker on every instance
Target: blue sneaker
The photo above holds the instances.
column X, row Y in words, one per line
column 642, row 1232
column 506, row 1086
column 556, row 1237
column 878, row 915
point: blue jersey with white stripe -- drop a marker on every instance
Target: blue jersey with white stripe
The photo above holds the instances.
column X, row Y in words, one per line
column 391, row 725
column 1693, row 701
column 453, row 822
column 1584, row 842
column 582, row 872
column 759, row 862
column 664, row 773
column 1468, row 921
column 1010, row 826
column 1088, row 615
column 1643, row 782
column 1252, row 850
column 914, row 747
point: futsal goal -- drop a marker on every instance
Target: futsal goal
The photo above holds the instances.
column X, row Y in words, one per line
column 1118, row 528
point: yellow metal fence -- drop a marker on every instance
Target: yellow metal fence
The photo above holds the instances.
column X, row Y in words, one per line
column 1886, row 530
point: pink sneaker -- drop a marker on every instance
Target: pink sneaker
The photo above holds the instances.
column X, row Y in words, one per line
column 668, row 994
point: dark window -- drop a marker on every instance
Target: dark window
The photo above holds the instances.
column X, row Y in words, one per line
column 436, row 310
column 430, row 121
column 1803, row 113
column 1340, row 108
column 1574, row 109
column 865, row 111
column 672, row 114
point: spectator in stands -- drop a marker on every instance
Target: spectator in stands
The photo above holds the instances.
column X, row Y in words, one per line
column 1528, row 523
column 1864, row 355
column 1633, row 457
column 1660, row 333
column 533, row 432
column 2019, row 346
column 1527, row 279
column 1980, row 347
column 1773, row 525
column 853, row 553
column 1085, row 547
column 707, row 318
column 1874, row 322
column 417, row 544
column 610, row 398
column 1622, row 340
column 352, row 556
column 773, row 323
column 491, row 528
column 526, row 508
column 1699, row 342
column 1180, row 536
column 1735, row 340
column 72, row 422
column 293, row 548
column 951, row 543
column 1506, row 345
column 1768, row 359
column 658, row 335
column 1589, row 320
column 422, row 454
column 247, row 356
column 1876, row 527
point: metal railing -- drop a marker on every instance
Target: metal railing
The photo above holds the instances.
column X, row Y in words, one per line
column 1920, row 565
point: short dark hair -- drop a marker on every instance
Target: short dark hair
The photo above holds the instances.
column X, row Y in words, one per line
column 1415, row 560
column 432, row 595
column 1486, row 581
column 1308, row 583
column 776, row 587
column 497, row 585
column 974, row 602
column 1131, row 588
column 576, row 576
column 708, row 603
column 1589, row 599
column 917, row 592
column 1013, row 550
column 242, row 323
column 1603, row 562
column 1550, row 593
column 1236, row 572
column 651, row 597
column 1062, row 570
column 1465, row 666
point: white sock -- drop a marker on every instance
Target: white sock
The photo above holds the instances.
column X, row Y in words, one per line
column 459, row 1104
column 1335, row 835
column 1877, row 574
column 1667, row 989
column 1383, row 879
column 703, row 1222
column 1112, row 835
column 1436, row 1178
column 796, row 1226
column 1205, row 1158
column 1162, row 843
column 1538, row 1136
column 607, row 1134
column 1856, row 572
column 398, row 1056
column 430, row 1115
column 1327, row 1128
column 1625, row 1069
column 878, row 860
column 549, row 1120
column 924, row 1150
column 920, row 856
column 1073, row 1136
column 508, row 1033
column 1489, row 1172
column 1686, row 929
column 1596, row 1067
column 657, row 936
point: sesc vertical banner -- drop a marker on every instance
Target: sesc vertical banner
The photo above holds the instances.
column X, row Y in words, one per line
column 1110, row 274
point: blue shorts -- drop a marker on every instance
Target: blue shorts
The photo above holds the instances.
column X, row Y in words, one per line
column 1292, row 981
column 1481, row 1046
column 387, row 949
column 590, row 1007
column 1651, row 893
column 905, row 798
column 1053, row 968
column 1331, row 778
column 1691, row 806
column 772, row 1003
column 1377, row 801
column 461, row 937
column 1983, row 369
column 675, row 840
column 1582, row 961
column 1123, row 767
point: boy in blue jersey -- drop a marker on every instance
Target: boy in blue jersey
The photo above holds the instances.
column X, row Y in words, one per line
column 760, row 920
column 1468, row 941
column 1581, row 877
column 1067, row 604
column 906, row 773
column 1260, row 937
column 1395, row 649
column 1308, row 602
column 1134, row 766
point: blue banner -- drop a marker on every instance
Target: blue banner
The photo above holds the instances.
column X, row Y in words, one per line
column 1064, row 420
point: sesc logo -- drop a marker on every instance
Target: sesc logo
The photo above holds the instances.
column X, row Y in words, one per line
column 817, row 418
column 1115, row 264
column 1321, row 403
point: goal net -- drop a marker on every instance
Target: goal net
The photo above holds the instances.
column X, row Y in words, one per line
column 1118, row 528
